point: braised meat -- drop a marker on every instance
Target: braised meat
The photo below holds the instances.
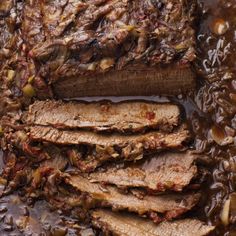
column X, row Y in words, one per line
column 160, row 166
column 111, row 47
column 80, row 131
column 165, row 171
column 79, row 190
column 151, row 140
column 110, row 147
column 122, row 117
column 129, row 82
column 129, row 225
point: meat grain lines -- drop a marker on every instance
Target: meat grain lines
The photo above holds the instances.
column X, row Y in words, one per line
column 62, row 151
column 80, row 192
column 130, row 225
column 154, row 176
column 158, row 127
column 125, row 116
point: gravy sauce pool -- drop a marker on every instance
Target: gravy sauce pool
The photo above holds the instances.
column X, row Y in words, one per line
column 215, row 126
column 211, row 114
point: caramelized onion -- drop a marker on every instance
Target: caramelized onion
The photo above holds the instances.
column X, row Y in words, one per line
column 219, row 26
column 225, row 213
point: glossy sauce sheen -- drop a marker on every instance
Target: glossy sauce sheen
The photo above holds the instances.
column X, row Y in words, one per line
column 216, row 99
column 210, row 110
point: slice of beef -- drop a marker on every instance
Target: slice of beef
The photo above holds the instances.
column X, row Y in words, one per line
column 112, row 48
column 111, row 147
column 151, row 140
column 165, row 171
column 122, row 117
column 129, row 225
column 129, row 82
column 158, row 207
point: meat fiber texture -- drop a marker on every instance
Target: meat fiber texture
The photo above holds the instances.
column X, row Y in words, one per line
column 91, row 134
column 129, row 225
column 165, row 171
column 80, row 190
column 109, row 131
column 105, row 48
column 105, row 116
column 110, row 147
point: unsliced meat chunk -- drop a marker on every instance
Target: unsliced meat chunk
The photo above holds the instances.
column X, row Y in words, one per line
column 126, row 116
column 165, row 171
column 103, row 48
column 169, row 205
column 129, row 225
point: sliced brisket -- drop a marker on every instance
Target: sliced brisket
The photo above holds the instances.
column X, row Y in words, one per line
column 165, row 171
column 126, row 116
column 151, row 140
column 129, row 225
column 113, row 146
column 159, row 207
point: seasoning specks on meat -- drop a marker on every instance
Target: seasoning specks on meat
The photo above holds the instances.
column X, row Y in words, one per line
column 122, row 117
column 158, row 207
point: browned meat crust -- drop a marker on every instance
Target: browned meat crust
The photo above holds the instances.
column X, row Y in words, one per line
column 139, row 30
column 129, row 225
column 122, row 117
column 111, row 47
column 165, row 171
column 129, row 82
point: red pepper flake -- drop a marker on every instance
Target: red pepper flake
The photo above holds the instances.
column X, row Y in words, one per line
column 150, row 115
column 105, row 108
column 155, row 217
